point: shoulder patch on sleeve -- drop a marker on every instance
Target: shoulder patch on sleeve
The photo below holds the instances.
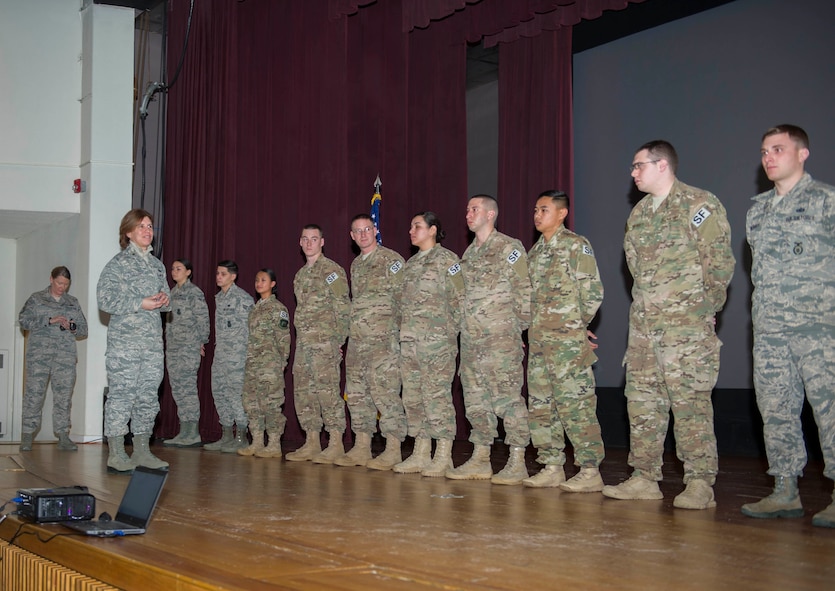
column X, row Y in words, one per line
column 396, row 267
column 456, row 277
column 284, row 315
column 514, row 256
column 700, row 216
column 331, row 278
column 587, row 250
column 454, row 269
column 283, row 319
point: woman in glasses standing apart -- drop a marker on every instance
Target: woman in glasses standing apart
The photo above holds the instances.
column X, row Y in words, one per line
column 54, row 320
column 133, row 289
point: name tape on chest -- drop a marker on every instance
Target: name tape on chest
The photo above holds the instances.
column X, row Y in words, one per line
column 700, row 216
column 396, row 267
column 331, row 278
column 454, row 269
column 514, row 256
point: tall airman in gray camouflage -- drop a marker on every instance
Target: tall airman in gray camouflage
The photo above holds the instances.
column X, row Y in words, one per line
column 430, row 307
column 232, row 307
column 372, row 360
column 186, row 335
column 133, row 289
column 55, row 321
column 267, row 352
column 323, row 314
column 496, row 310
column 567, row 292
column 790, row 230
column 678, row 248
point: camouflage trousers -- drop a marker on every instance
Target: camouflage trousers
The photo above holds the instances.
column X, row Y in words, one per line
column 316, row 392
column 492, row 375
column 228, row 370
column 182, row 362
column 786, row 365
column 263, row 398
column 58, row 371
column 672, row 370
column 427, row 369
column 372, row 385
column 562, row 400
column 133, row 377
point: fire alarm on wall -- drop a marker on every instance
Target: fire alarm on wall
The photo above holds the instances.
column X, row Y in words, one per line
column 79, row 186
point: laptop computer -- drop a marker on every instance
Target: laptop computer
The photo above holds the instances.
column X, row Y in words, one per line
column 135, row 510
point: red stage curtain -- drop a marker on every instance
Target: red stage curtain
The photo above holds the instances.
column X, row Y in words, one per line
column 535, row 126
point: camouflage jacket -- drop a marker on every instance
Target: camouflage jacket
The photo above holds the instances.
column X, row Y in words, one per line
column 188, row 321
column 680, row 258
column 269, row 334
column 567, row 292
column 127, row 279
column 35, row 315
column 793, row 247
column 497, row 294
column 323, row 308
column 231, row 320
column 430, row 302
column 376, row 281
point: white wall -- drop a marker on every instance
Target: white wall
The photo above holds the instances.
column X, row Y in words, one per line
column 66, row 70
column 711, row 84
column 8, row 322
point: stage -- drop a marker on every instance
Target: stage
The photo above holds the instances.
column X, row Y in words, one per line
column 228, row 522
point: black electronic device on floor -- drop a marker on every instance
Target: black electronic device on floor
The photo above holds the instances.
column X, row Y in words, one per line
column 50, row 505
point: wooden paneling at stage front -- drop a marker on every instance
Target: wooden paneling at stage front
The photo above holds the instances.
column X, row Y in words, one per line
column 227, row 522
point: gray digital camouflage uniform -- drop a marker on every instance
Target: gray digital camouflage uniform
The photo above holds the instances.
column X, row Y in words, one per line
column 267, row 352
column 681, row 261
column 430, row 317
column 50, row 358
column 323, row 311
column 567, row 292
column 496, row 309
column 793, row 271
column 186, row 330
column 372, row 360
column 134, row 357
column 231, row 334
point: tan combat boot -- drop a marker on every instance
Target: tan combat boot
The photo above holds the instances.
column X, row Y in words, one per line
column 273, row 447
column 333, row 451
column 442, row 460
column 514, row 471
column 698, row 494
column 389, row 458
column 65, row 443
column 551, row 476
column 224, row 439
column 142, row 455
column 253, row 448
column 419, row 460
column 359, row 455
column 784, row 501
column 187, row 437
column 825, row 518
column 636, row 488
column 26, row 440
column 311, row 448
column 476, row 468
column 585, row 481
column 118, row 461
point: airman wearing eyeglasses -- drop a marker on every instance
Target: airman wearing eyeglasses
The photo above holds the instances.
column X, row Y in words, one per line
column 372, row 360
column 322, row 315
column 678, row 249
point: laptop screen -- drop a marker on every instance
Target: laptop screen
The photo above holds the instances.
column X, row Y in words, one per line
column 141, row 496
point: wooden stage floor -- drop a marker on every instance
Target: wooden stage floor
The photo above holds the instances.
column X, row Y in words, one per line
column 228, row 522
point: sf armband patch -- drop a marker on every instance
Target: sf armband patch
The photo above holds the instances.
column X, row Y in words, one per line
column 700, row 216
column 518, row 262
column 587, row 250
column 455, row 276
column 338, row 286
column 586, row 263
column 284, row 319
column 396, row 267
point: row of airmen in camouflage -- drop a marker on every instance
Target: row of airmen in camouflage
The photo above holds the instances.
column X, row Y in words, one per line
column 405, row 318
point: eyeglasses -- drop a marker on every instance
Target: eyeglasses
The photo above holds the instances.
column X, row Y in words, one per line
column 640, row 165
column 361, row 231
column 145, row 227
